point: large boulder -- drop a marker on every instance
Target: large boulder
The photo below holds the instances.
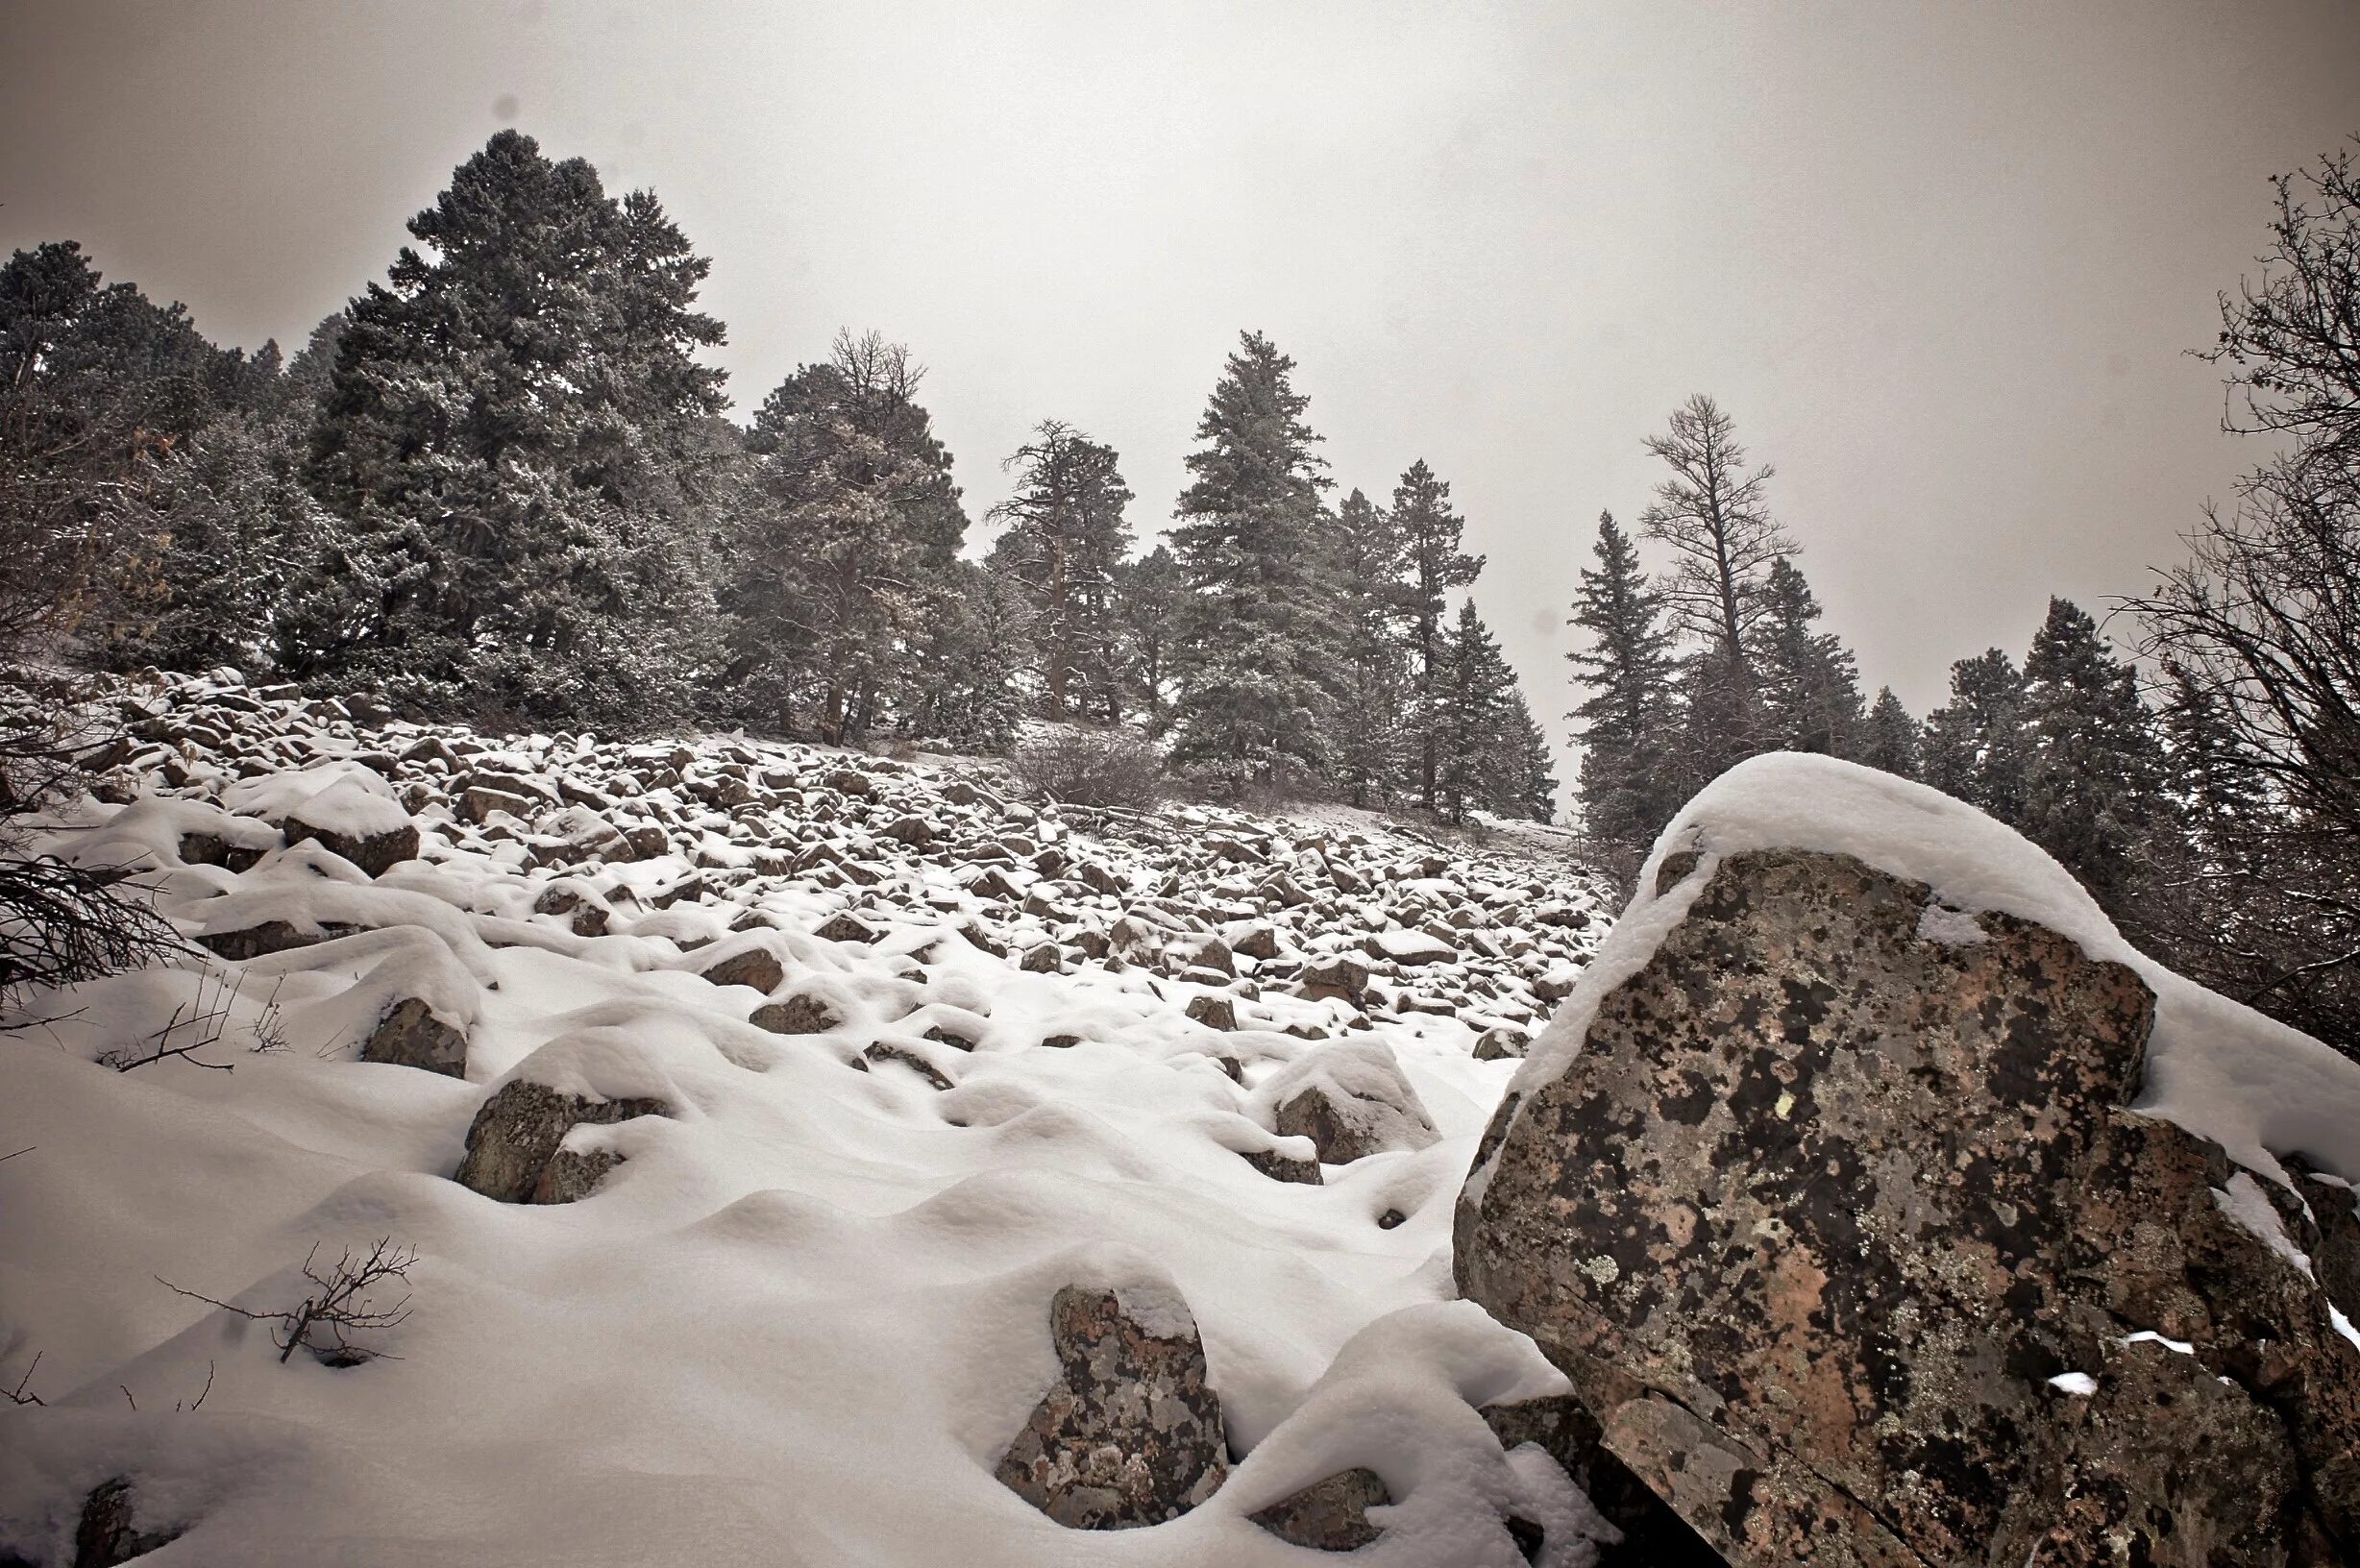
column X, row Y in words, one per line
column 411, row 1034
column 516, row 1139
column 1131, row 1433
column 365, row 828
column 1838, row 1222
column 1351, row 1099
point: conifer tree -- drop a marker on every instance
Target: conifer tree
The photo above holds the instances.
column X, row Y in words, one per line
column 1430, row 532
column 1473, row 692
column 1257, row 664
column 1372, row 611
column 1525, row 773
column 1063, row 543
column 1151, row 595
column 1628, row 715
column 2093, row 782
column 1977, row 745
column 1809, row 682
column 850, row 521
column 1890, row 737
column 969, row 651
column 506, row 428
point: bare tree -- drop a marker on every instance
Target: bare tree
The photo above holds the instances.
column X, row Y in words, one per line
column 1716, row 518
column 338, row 1306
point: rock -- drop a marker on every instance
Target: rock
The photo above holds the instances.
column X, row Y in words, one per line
column 1330, row 1515
column 516, row 1134
column 375, row 852
column 1130, row 1435
column 881, row 1051
column 943, row 1035
column 846, row 928
column 109, row 1532
column 573, row 1175
column 756, row 966
column 1042, row 958
column 1060, row 1042
column 1282, row 1166
column 1500, row 1044
column 1409, row 948
column 1214, row 955
column 1822, row 1204
column 1214, row 1011
column 1350, row 1100
column 849, row 781
column 1337, row 976
column 270, row 937
column 913, row 830
column 478, row 802
column 410, row 1036
column 1653, row 1535
column 801, row 1014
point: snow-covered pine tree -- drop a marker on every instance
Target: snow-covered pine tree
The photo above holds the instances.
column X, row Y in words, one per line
column 501, row 430
column 1526, row 775
column 1890, row 739
column 1151, row 592
column 1977, row 745
column 1474, row 690
column 1629, row 711
column 1368, row 564
column 1063, row 544
column 1435, row 565
column 1715, row 516
column 967, row 661
column 2094, row 777
column 849, row 522
column 1809, row 684
column 1258, row 664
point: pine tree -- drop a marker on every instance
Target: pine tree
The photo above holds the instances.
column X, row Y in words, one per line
column 849, row 522
column 1151, row 595
column 1629, row 716
column 1473, row 692
column 1430, row 534
column 1257, row 664
column 1063, row 543
column 1369, row 562
column 972, row 647
column 1977, row 747
column 505, row 429
column 2094, row 780
column 1809, row 684
column 1525, row 773
column 1890, row 739
column 1716, row 517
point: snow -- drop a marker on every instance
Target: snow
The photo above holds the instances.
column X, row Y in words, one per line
column 802, row 1319
column 2214, row 1065
column 2079, row 1384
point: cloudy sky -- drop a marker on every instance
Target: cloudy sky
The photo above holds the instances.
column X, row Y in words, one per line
column 1941, row 262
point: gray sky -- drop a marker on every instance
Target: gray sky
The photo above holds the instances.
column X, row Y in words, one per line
column 1940, row 261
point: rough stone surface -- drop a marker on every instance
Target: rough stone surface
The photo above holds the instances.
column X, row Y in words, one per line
column 1281, row 1166
column 269, row 937
column 1653, row 1535
column 410, row 1036
column 1214, row 1011
column 1821, row 1206
column 514, row 1138
column 1354, row 1102
column 109, row 1533
column 799, row 1014
column 756, row 966
column 1330, row 1515
column 885, row 1051
column 573, row 1175
column 1130, row 1434
column 375, row 853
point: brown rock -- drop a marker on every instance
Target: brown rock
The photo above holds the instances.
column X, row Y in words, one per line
column 109, row 1532
column 756, row 966
column 410, row 1036
column 1822, row 1205
column 846, row 928
column 1130, row 1435
column 1281, row 1166
column 570, row 1176
column 1337, row 976
column 270, row 937
column 375, row 853
column 1330, row 1515
column 516, row 1134
column 882, row 1051
column 1214, row 1011
column 799, row 1014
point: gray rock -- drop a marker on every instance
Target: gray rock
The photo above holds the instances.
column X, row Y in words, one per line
column 1130, row 1435
column 1822, row 1205
column 1214, row 1011
column 846, row 928
column 516, row 1134
column 1351, row 1100
column 1281, row 1166
column 570, row 1176
column 801, row 1014
column 375, row 853
column 756, row 966
column 1330, row 1515
column 1338, row 976
column 109, row 1533
column 269, row 937
column 1500, row 1043
column 410, row 1036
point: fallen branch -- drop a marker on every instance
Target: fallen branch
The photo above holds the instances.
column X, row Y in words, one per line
column 338, row 1304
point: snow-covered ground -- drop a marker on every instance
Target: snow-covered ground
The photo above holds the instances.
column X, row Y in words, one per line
column 803, row 1318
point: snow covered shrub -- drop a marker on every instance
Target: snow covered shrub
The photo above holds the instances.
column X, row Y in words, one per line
column 1091, row 768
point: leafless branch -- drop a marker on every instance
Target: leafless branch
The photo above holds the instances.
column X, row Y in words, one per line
column 338, row 1306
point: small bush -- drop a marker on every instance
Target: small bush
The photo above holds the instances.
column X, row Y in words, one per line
column 1091, row 768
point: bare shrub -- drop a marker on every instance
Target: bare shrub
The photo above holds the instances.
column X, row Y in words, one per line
column 338, row 1304
column 1091, row 768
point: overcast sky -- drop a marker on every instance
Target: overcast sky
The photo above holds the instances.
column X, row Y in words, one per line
column 1941, row 262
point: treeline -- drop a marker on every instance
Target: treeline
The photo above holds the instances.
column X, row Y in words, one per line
column 501, row 485
column 2204, row 784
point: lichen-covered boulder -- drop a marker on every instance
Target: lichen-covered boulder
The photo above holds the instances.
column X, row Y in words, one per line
column 1351, row 1099
column 1840, row 1224
column 1131, row 1432
column 518, row 1133
column 411, row 1035
column 1330, row 1515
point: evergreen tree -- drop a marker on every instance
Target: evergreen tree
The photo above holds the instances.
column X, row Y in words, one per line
column 1890, row 739
column 2092, row 783
column 1474, row 690
column 1063, row 543
column 1630, row 714
column 508, row 428
column 1716, row 517
column 971, row 651
column 1809, row 684
column 1430, row 534
column 1977, row 745
column 1525, row 773
column 1370, row 561
column 1257, row 664
column 851, row 522
column 1151, row 595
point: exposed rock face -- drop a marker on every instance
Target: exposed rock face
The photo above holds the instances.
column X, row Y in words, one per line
column 269, row 937
column 410, row 1036
column 1130, row 1435
column 1330, row 1515
column 109, row 1533
column 1653, row 1535
column 755, row 967
column 801, row 1014
column 514, row 1139
column 1350, row 1100
column 375, row 853
column 1834, row 1189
